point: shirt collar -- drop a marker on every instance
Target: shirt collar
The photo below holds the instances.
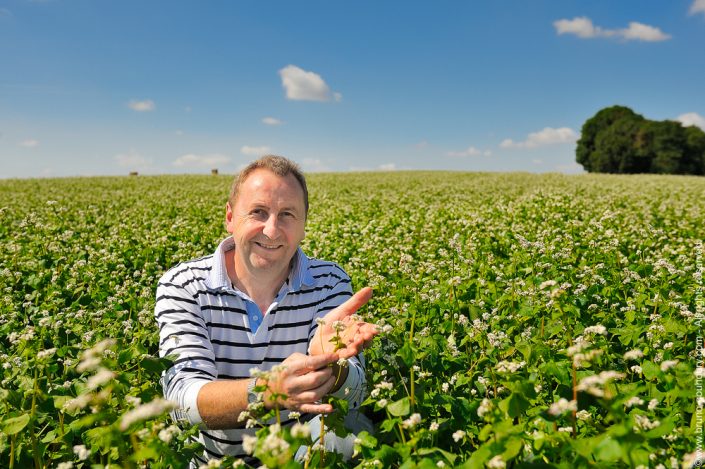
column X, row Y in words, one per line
column 218, row 279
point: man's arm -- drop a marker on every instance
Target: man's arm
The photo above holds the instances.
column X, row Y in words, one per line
column 303, row 380
column 192, row 380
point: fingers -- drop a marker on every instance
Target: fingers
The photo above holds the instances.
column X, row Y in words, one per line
column 311, row 363
column 354, row 303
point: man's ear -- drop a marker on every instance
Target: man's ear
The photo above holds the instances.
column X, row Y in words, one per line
column 228, row 217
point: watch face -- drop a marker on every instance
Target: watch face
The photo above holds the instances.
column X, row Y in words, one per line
column 251, row 394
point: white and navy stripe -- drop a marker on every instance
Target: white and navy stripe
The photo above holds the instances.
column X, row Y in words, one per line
column 204, row 323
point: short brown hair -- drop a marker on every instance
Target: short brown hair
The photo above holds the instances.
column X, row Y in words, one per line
column 279, row 165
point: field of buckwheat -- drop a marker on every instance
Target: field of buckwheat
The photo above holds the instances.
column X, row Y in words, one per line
column 526, row 320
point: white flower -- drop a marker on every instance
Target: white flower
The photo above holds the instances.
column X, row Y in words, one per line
column 300, row 430
column 547, row 283
column 563, row 405
column 668, row 364
column 636, row 369
column 596, row 329
column 434, row 426
column 412, row 421
column 65, row 465
column 342, row 362
column 633, row 354
column 496, row 463
column 146, row 411
column 565, row 429
column 485, row 407
column 46, row 353
column 583, row 415
column 634, row 401
column 652, row 404
column 382, row 403
column 509, row 367
column 101, row 377
column 81, row 452
column 249, row 443
column 444, row 387
column 594, row 384
column 458, row 435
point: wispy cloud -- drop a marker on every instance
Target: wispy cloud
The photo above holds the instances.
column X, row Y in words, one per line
column 272, row 121
column 192, row 159
column 302, row 85
column 133, row 160
column 692, row 118
column 547, row 136
column 142, row 106
column 698, row 6
column 387, row 167
column 29, row 143
column 469, row 151
column 5, row 13
column 255, row 151
column 584, row 28
column 314, row 165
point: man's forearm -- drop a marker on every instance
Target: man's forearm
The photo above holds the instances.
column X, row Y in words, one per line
column 221, row 402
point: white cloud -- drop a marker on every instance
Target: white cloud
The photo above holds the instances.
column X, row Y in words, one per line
column 142, row 106
column 301, row 85
column 132, row 159
column 421, row 145
column 192, row 159
column 698, row 6
column 387, row 167
column 643, row 32
column 255, row 151
column 547, row 136
column 314, row 165
column 29, row 143
column 470, row 151
column 692, row 118
column 570, row 168
column 5, row 13
column 537, row 162
column 271, row 121
column 584, row 28
column 580, row 26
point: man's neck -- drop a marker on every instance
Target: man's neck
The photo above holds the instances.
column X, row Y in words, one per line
column 261, row 286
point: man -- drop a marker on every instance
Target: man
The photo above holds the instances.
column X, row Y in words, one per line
column 254, row 303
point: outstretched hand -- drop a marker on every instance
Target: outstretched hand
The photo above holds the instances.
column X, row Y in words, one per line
column 355, row 335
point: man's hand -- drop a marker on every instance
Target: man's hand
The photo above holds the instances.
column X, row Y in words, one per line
column 304, row 380
column 355, row 335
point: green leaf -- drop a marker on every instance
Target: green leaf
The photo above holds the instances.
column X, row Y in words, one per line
column 400, row 408
column 608, row 450
column 406, row 353
column 514, row 405
column 15, row 425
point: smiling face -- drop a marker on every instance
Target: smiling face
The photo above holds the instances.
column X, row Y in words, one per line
column 267, row 222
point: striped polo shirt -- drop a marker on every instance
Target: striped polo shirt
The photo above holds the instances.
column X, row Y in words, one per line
column 214, row 332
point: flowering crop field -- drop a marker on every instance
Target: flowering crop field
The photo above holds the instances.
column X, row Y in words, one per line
column 528, row 320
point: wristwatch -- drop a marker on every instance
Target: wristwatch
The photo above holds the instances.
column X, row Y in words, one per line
column 251, row 394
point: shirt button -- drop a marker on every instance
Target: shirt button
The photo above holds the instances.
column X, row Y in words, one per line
column 255, row 318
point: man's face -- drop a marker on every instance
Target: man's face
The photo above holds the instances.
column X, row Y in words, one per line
column 267, row 222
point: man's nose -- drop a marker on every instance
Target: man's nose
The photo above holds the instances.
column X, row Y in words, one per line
column 271, row 227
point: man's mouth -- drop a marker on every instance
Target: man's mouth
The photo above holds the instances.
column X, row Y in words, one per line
column 270, row 247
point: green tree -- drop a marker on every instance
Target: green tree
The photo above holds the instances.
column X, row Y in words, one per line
column 618, row 140
column 587, row 153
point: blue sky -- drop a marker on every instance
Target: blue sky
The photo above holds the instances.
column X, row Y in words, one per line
column 93, row 87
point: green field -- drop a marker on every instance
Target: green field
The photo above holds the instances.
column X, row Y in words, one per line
column 509, row 300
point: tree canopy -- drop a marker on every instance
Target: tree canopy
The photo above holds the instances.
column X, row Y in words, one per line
column 618, row 140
